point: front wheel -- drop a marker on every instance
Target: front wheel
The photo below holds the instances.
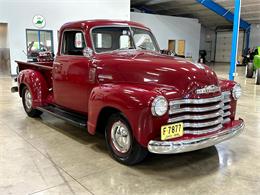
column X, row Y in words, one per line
column 121, row 143
column 27, row 103
column 249, row 70
column 257, row 77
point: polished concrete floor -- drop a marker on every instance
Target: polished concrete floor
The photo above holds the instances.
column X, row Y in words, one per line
column 49, row 156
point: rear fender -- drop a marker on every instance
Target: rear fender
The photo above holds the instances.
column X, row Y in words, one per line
column 36, row 83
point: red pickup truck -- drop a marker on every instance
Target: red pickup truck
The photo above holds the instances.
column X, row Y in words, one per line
column 109, row 76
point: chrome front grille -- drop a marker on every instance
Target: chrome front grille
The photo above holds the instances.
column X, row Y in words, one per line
column 201, row 116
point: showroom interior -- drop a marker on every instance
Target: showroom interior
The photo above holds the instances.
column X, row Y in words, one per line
column 129, row 97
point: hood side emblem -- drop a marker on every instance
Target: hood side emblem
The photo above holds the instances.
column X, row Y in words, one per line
column 208, row 89
column 102, row 77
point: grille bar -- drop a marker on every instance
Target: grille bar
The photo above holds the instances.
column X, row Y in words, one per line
column 226, row 114
column 226, row 120
column 200, row 109
column 203, row 124
column 226, row 100
column 226, row 107
column 196, row 101
column 196, row 117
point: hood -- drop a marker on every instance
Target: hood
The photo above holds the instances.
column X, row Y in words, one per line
column 150, row 68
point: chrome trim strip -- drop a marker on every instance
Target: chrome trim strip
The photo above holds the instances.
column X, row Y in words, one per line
column 200, row 132
column 170, row 147
column 202, row 109
column 205, row 124
column 196, row 117
column 196, row 101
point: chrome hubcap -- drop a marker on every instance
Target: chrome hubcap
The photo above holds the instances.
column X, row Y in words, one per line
column 28, row 99
column 120, row 137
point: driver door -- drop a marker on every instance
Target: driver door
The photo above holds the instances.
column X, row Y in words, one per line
column 71, row 85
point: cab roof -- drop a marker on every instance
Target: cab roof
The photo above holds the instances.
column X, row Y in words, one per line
column 92, row 23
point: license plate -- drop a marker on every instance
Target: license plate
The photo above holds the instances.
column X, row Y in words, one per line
column 171, row 131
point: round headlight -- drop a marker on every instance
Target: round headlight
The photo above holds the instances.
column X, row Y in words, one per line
column 236, row 91
column 159, row 106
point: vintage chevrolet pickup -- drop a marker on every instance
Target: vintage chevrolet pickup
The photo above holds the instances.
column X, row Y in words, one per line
column 109, row 77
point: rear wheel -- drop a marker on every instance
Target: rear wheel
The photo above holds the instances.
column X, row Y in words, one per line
column 257, row 76
column 120, row 142
column 27, row 103
column 249, row 70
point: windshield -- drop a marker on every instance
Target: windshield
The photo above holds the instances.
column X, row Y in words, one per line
column 106, row 39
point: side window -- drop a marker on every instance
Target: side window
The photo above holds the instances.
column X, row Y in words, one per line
column 73, row 43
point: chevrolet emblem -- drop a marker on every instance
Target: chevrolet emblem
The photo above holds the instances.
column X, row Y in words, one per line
column 208, row 89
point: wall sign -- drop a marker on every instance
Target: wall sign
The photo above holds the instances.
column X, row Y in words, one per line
column 39, row 21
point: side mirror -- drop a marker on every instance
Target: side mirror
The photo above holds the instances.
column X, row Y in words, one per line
column 88, row 52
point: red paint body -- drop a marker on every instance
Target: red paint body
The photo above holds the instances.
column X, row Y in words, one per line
column 137, row 78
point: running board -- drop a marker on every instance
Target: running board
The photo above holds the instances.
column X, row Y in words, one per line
column 71, row 117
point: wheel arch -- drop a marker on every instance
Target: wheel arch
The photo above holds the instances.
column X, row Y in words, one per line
column 36, row 83
column 103, row 117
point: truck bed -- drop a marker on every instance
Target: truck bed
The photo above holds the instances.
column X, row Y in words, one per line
column 34, row 65
column 45, row 68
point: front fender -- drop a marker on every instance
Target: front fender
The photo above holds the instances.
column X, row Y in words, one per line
column 132, row 100
column 36, row 83
column 226, row 85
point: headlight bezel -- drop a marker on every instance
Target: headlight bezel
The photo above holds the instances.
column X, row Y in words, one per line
column 236, row 91
column 155, row 106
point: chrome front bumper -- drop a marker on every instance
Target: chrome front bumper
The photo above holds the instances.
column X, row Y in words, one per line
column 171, row 147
